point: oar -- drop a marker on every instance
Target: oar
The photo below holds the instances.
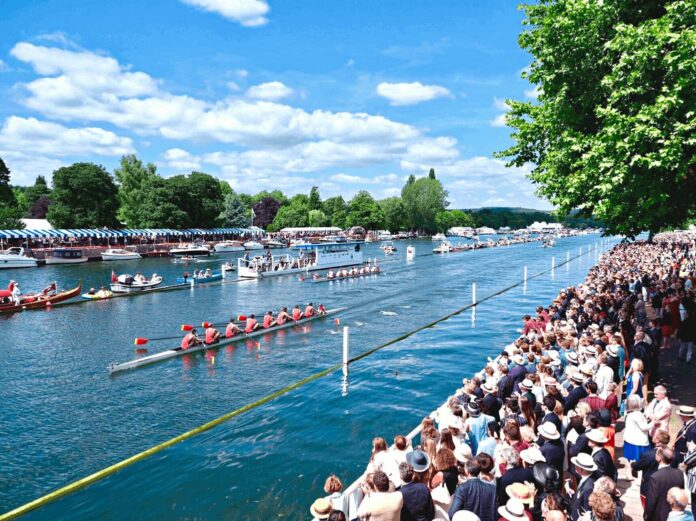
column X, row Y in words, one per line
column 140, row 341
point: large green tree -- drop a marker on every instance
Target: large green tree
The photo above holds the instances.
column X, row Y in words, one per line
column 84, row 196
column 159, row 206
column 317, row 218
column 315, row 199
column 423, row 199
column 199, row 195
column 6, row 195
column 133, row 176
column 39, row 189
column 294, row 214
column 336, row 211
column 364, row 211
column 612, row 133
column 234, row 213
column 393, row 211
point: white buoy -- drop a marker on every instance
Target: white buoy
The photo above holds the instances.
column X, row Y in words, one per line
column 345, row 350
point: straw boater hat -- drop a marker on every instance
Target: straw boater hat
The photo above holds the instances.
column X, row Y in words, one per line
column 462, row 452
column 572, row 357
column 321, row 508
column 584, row 461
column 587, row 369
column 522, row 491
column 489, row 388
column 613, row 350
column 518, row 359
column 513, row 510
column 532, row 455
column 686, row 411
column 549, row 431
column 526, row 384
column 578, row 378
column 556, row 362
column 597, row 436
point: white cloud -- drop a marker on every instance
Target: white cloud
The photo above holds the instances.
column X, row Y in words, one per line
column 3, row 66
column 498, row 121
column 42, row 137
column 242, row 73
column 233, row 86
column 533, row 93
column 250, row 13
column 181, row 159
column 500, row 104
column 25, row 166
column 410, row 93
column 271, row 91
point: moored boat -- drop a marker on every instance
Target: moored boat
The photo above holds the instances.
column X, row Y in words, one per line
column 116, row 254
column 128, row 284
column 227, row 266
column 200, row 279
column 178, row 351
column 66, row 256
column 102, row 294
column 190, row 249
column 253, row 245
column 43, row 300
column 16, row 257
column 228, row 247
column 439, row 237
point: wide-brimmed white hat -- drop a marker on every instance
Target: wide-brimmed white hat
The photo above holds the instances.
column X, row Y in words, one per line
column 613, row 350
column 572, row 357
column 462, row 452
column 597, row 436
column 532, row 455
column 526, row 384
column 549, row 431
column 685, row 410
column 578, row 377
column 321, row 508
column 587, row 369
column 513, row 510
column 584, row 461
column 518, row 359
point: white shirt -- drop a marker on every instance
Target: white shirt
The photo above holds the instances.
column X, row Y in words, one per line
column 603, row 377
column 637, row 429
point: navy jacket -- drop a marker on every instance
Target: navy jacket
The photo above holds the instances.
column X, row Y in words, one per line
column 576, row 394
column 418, row 505
column 517, row 374
column 648, row 464
column 491, row 406
column 505, row 387
column 475, row 496
column 553, row 418
column 554, row 452
column 512, row 475
column 580, row 503
column 605, row 465
column 656, row 506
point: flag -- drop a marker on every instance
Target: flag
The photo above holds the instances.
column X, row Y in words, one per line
column 48, row 289
column 114, row 278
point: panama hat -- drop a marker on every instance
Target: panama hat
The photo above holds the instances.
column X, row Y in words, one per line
column 321, row 508
column 532, row 455
column 572, row 357
column 526, row 384
column 521, row 491
column 686, row 411
column 556, row 362
column 419, row 460
column 587, row 369
column 578, row 378
column 513, row 510
column 613, row 350
column 584, row 461
column 549, row 431
column 462, row 452
column 465, row 515
column 597, row 436
column 518, row 359
column 473, row 409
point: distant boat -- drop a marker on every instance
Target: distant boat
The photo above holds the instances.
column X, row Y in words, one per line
column 253, row 245
column 115, row 254
column 439, row 237
column 228, row 247
column 66, row 256
column 127, row 283
column 190, row 249
column 16, row 258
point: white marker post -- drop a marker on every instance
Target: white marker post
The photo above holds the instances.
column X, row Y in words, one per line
column 553, row 263
column 473, row 301
column 346, row 335
column 568, row 256
column 192, row 282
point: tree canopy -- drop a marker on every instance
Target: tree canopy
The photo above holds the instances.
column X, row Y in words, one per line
column 133, row 178
column 612, row 133
column 423, row 199
column 365, row 212
column 234, row 213
column 84, row 196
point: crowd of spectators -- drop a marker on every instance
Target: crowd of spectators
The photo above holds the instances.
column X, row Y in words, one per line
column 532, row 435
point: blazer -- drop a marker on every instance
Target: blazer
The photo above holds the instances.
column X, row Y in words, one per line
column 686, row 433
column 491, row 406
column 576, row 394
column 475, row 496
column 512, row 475
column 656, row 506
column 648, row 464
column 418, row 505
column 658, row 412
column 605, row 465
column 554, row 452
column 580, row 502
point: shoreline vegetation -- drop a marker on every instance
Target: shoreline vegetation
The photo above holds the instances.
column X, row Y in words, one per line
column 86, row 196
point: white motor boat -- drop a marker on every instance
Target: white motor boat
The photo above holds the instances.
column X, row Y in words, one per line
column 15, row 257
column 444, row 247
column 312, row 257
column 228, row 247
column 66, row 256
column 273, row 244
column 384, row 235
column 116, row 254
column 439, row 237
column 191, row 248
column 128, row 284
column 253, row 245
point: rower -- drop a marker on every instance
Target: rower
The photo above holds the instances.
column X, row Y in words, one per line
column 91, row 291
column 232, row 329
column 321, row 309
column 309, row 311
column 268, row 320
column 283, row 316
column 251, row 324
column 212, row 335
column 190, row 340
column 297, row 313
column 330, row 274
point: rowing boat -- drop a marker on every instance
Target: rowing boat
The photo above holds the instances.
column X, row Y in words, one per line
column 40, row 301
column 200, row 280
column 335, row 279
column 178, row 351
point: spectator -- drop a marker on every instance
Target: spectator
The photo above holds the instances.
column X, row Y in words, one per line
column 380, row 504
column 656, row 506
column 678, row 500
column 474, row 495
column 636, row 431
column 417, row 503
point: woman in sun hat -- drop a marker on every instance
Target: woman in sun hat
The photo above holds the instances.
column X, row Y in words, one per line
column 321, row 508
column 514, row 510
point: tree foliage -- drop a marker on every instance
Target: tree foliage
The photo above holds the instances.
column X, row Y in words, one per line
column 317, row 218
column 234, row 213
column 612, row 134
column 365, row 212
column 393, row 211
column 336, row 211
column 7, row 196
column 265, row 211
column 84, row 196
column 39, row 208
column 199, row 196
column 315, row 199
column 292, row 215
column 133, row 176
column 423, row 199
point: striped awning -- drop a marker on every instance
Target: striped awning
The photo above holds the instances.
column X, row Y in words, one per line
column 104, row 233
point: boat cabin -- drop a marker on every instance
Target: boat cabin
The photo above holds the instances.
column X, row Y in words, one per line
column 67, row 253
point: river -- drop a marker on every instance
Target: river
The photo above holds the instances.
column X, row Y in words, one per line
column 64, row 417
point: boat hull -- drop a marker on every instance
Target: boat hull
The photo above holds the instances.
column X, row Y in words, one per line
column 108, row 257
column 118, row 287
column 42, row 303
column 18, row 263
column 178, row 351
column 202, row 280
column 227, row 249
column 180, row 252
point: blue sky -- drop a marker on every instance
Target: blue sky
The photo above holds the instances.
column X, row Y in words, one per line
column 346, row 95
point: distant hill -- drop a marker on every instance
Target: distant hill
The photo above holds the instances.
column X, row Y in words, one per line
column 516, row 217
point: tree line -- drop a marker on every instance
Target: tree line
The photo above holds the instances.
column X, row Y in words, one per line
column 86, row 195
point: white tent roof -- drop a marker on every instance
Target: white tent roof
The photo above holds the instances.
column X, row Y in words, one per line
column 36, row 224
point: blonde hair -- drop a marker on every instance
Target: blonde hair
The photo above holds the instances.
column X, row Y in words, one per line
column 637, row 365
column 527, row 433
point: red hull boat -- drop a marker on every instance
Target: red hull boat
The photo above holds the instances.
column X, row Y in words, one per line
column 36, row 301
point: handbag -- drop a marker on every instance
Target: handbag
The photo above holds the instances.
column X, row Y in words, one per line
column 441, row 495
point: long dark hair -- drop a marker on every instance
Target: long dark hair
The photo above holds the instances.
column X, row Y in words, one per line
column 528, row 411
